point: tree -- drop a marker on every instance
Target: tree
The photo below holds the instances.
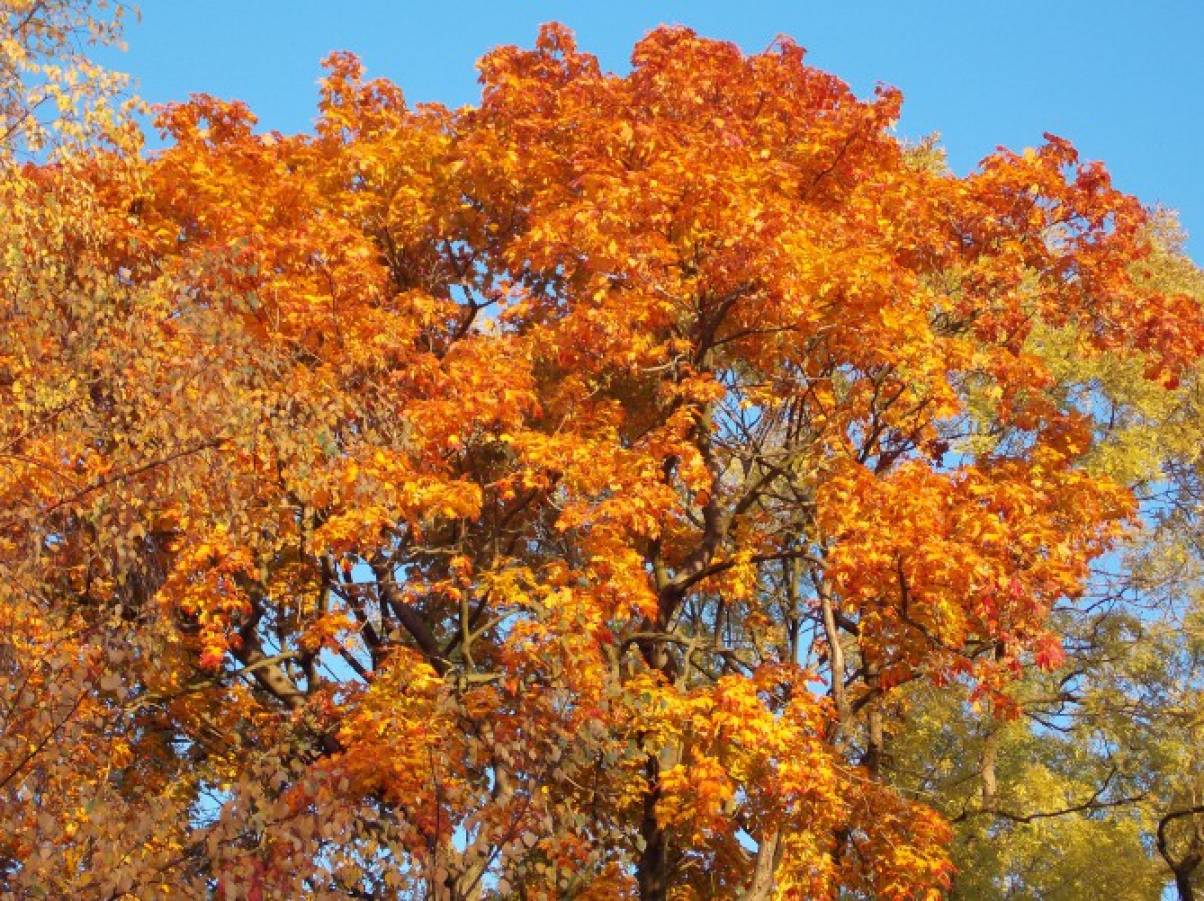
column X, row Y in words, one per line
column 1106, row 749
column 549, row 498
column 51, row 91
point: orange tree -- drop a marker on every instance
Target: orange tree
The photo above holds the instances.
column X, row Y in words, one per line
column 538, row 499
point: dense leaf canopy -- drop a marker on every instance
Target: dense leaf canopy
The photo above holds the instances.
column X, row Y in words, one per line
column 558, row 497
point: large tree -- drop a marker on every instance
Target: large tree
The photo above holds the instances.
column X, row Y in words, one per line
column 548, row 498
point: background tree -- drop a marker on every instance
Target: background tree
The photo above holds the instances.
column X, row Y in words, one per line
column 1106, row 749
column 51, row 90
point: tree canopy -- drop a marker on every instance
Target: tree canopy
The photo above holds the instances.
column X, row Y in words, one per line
column 620, row 488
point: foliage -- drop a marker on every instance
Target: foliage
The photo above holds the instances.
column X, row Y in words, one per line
column 557, row 497
column 1106, row 754
column 51, row 91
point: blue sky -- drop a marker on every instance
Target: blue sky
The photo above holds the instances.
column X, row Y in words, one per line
column 1124, row 81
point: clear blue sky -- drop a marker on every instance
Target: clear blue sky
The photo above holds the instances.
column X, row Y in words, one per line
column 1123, row 80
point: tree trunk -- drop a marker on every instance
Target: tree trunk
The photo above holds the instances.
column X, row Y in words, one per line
column 875, row 739
column 764, row 868
column 652, row 873
column 1183, row 882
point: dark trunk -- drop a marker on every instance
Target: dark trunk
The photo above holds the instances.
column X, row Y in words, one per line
column 1183, row 885
column 653, row 871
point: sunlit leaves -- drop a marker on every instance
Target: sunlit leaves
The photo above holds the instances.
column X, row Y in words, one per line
column 552, row 494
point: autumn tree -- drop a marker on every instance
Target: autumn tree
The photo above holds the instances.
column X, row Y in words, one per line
column 1090, row 791
column 547, row 498
column 51, row 89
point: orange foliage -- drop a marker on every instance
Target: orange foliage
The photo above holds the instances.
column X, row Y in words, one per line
column 448, row 502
